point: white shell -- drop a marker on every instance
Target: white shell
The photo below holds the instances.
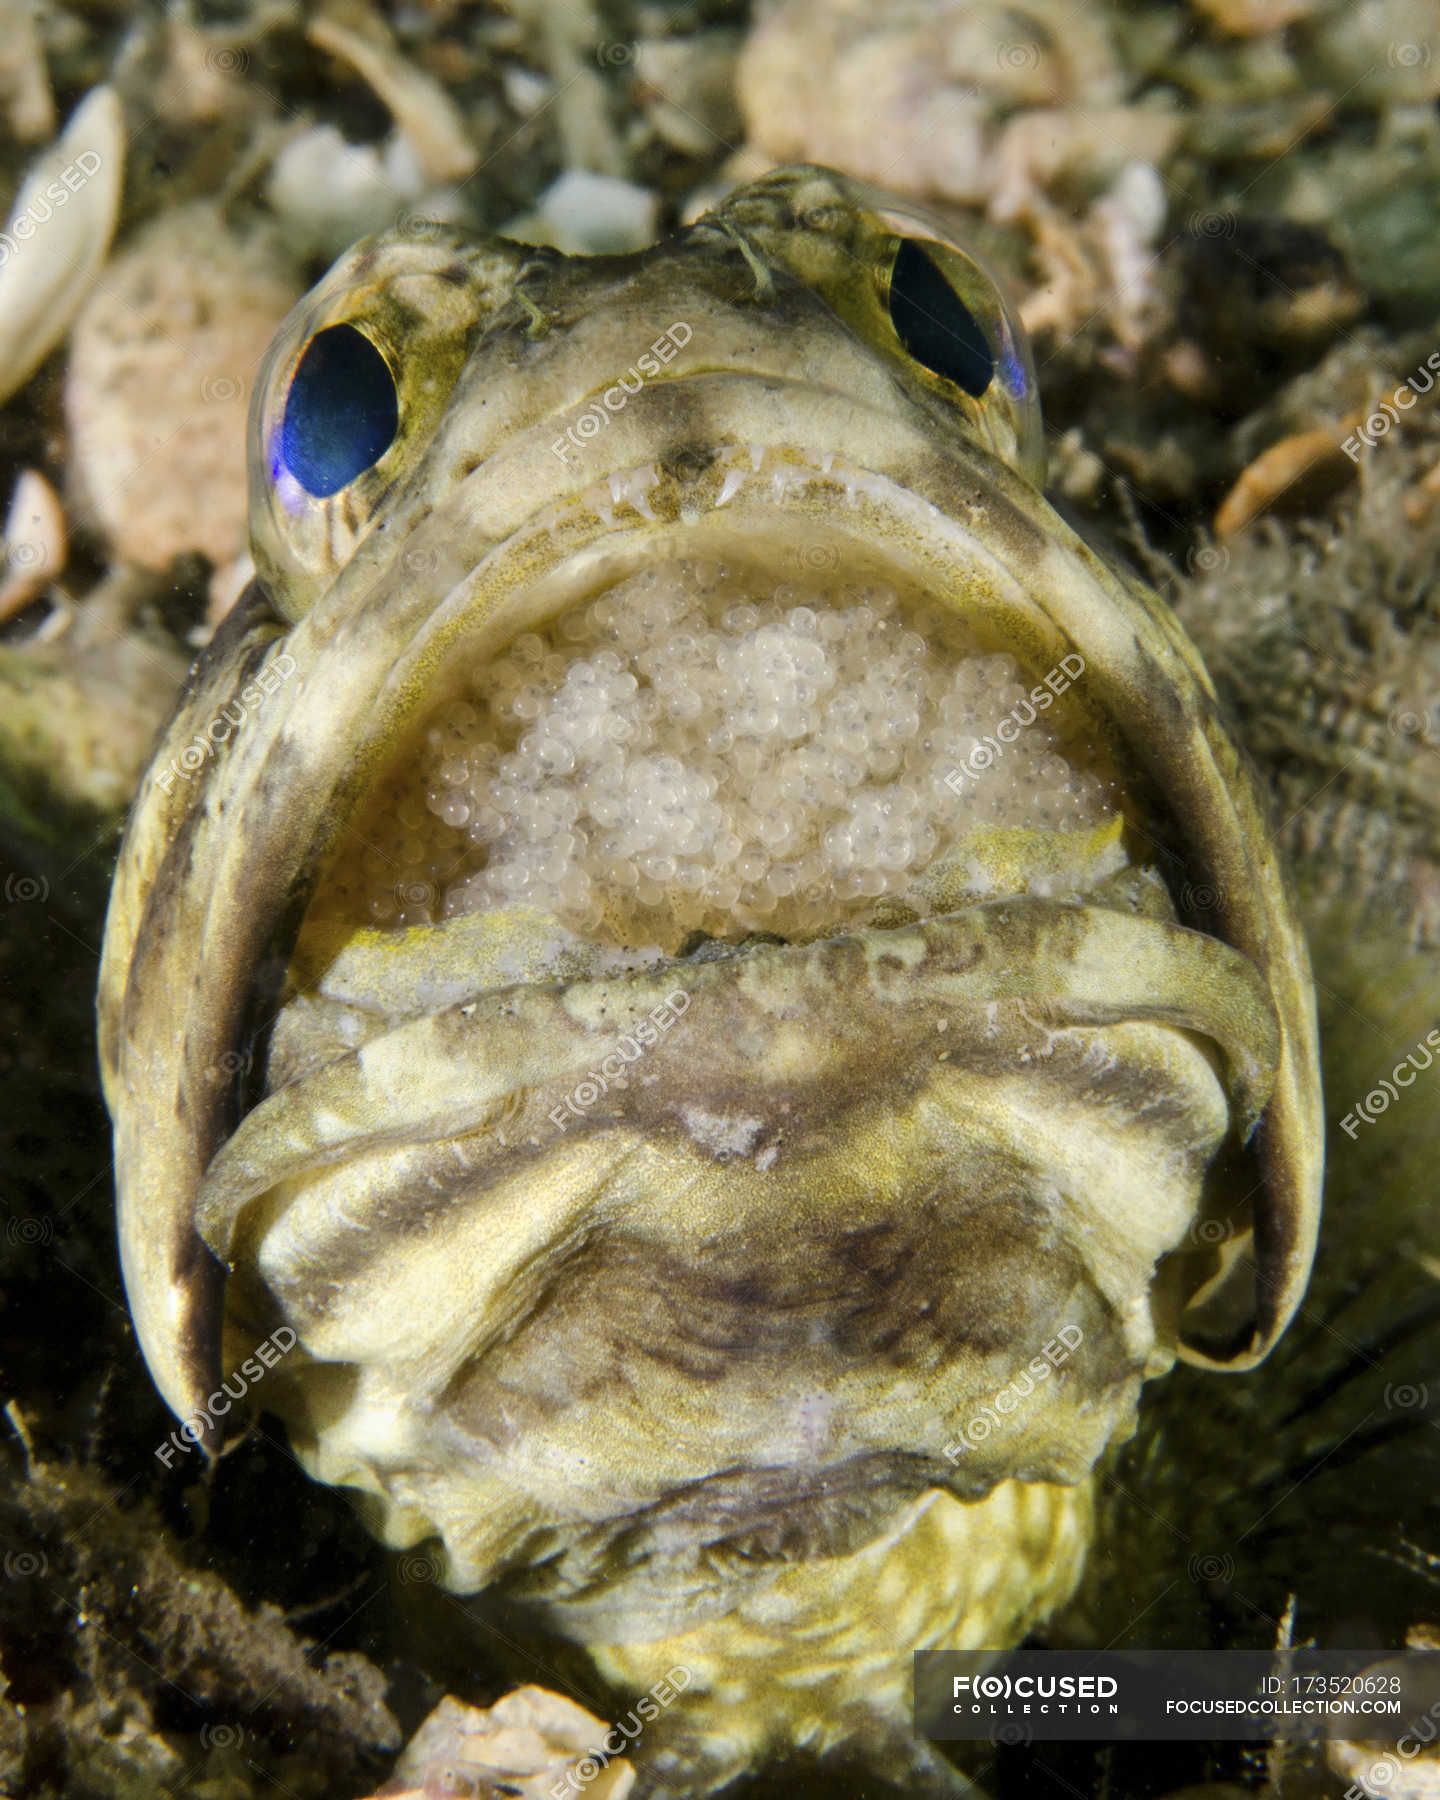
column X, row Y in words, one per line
column 422, row 109
column 34, row 543
column 58, row 235
column 25, row 97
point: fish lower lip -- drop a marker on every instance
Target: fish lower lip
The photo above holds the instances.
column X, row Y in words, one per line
column 486, row 1193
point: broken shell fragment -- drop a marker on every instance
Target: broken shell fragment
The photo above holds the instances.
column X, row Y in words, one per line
column 58, row 235
column 25, row 97
column 527, row 1744
column 34, row 543
column 1304, row 467
column 422, row 109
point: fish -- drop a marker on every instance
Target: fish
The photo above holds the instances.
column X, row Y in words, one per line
column 698, row 992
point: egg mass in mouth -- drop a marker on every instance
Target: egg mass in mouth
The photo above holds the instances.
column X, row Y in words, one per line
column 702, row 747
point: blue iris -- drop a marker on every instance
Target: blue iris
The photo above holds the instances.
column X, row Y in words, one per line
column 341, row 413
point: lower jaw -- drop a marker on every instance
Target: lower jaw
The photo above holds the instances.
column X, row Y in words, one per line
column 1017, row 1099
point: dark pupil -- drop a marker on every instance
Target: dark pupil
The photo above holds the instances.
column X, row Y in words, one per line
column 340, row 414
column 935, row 325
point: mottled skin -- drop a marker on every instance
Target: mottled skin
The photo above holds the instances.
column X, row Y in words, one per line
column 680, row 1377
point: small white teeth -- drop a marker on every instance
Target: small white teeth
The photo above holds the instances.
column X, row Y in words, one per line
column 730, row 487
column 779, row 472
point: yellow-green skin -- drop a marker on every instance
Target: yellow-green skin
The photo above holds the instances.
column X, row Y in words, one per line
column 696, row 1375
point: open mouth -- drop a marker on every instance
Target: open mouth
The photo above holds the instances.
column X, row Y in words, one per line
column 728, row 736
column 701, row 748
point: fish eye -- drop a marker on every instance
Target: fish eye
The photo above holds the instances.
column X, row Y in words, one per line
column 341, row 412
column 952, row 321
column 934, row 323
